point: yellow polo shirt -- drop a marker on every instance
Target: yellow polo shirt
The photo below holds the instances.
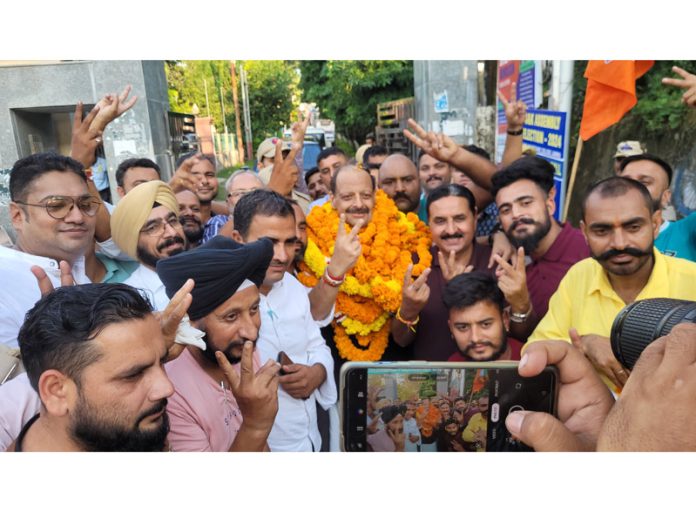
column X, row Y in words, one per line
column 586, row 300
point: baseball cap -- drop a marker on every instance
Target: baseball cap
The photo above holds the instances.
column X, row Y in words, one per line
column 267, row 148
column 629, row 148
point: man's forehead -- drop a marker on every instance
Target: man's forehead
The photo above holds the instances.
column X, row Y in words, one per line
column 187, row 197
column 203, row 166
column 519, row 188
column 332, row 159
column 160, row 212
column 353, row 179
column 58, row 183
column 615, row 209
column 240, row 300
column 129, row 342
column 429, row 160
column 645, row 167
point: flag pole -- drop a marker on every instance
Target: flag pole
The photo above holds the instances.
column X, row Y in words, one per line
column 571, row 182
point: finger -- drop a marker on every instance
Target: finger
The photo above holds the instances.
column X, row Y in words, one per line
column 513, row 92
column 419, row 143
column 468, row 268
column 542, row 432
column 124, row 94
column 502, row 99
column 504, row 265
column 341, row 226
column 129, row 104
column 246, row 375
column 620, row 375
column 45, row 284
column 676, row 82
column 519, row 263
column 175, row 351
column 229, row 371
column 680, row 349
column 420, row 281
column 407, row 275
column 572, row 364
column 180, row 296
column 66, row 277
column 575, row 338
column 77, row 118
column 418, row 130
column 267, row 372
column 450, row 260
column 681, row 72
column 90, row 117
column 278, row 158
column 354, row 232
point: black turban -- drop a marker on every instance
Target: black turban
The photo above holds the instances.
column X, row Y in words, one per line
column 218, row 267
column 390, row 412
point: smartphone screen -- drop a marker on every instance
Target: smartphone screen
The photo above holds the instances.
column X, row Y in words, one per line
column 438, row 407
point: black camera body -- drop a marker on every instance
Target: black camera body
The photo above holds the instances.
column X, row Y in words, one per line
column 644, row 321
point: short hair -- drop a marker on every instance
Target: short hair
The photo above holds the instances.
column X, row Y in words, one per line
column 532, row 168
column 124, row 166
column 204, row 156
column 374, row 151
column 259, row 202
column 334, row 178
column 27, row 170
column 468, row 289
column 310, row 173
column 237, row 174
column 652, row 158
column 451, row 190
column 616, row 186
column 473, row 148
column 327, row 152
column 57, row 331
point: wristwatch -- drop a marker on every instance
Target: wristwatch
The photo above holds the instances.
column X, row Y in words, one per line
column 521, row 317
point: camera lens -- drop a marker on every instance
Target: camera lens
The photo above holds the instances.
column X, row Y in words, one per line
column 642, row 322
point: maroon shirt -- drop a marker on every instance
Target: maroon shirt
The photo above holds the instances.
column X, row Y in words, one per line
column 544, row 274
column 433, row 341
column 515, row 353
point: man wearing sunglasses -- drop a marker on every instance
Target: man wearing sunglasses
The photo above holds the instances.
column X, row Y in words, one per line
column 146, row 225
column 53, row 214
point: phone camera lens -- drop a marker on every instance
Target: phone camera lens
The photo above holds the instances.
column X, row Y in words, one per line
column 361, row 412
column 518, row 386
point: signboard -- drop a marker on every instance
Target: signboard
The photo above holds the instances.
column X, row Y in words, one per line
column 441, row 102
column 545, row 131
column 526, row 76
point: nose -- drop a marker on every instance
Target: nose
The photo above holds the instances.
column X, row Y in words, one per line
column 75, row 215
column 450, row 228
column 400, row 186
column 618, row 239
column 162, row 387
column 248, row 329
column 169, row 231
column 279, row 253
column 476, row 333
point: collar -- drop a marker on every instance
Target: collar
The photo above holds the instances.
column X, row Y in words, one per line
column 48, row 264
column 558, row 247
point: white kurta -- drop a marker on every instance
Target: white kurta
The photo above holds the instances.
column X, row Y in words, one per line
column 287, row 325
column 148, row 280
column 19, row 289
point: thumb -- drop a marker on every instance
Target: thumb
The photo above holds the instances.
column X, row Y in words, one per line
column 542, row 432
column 575, row 337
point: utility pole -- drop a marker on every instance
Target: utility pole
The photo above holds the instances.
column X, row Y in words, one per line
column 222, row 104
column 238, row 124
column 207, row 101
column 247, row 117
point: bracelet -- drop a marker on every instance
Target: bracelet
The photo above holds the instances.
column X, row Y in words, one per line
column 409, row 323
column 521, row 317
column 518, row 132
column 332, row 281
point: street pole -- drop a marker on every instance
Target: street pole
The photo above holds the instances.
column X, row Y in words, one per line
column 247, row 117
column 207, row 101
column 222, row 104
column 237, row 121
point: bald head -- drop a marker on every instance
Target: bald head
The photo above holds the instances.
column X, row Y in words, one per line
column 398, row 177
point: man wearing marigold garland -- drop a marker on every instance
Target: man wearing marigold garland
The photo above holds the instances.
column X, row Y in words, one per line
column 371, row 290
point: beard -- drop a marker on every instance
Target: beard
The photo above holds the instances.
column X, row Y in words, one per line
column 412, row 205
column 149, row 259
column 531, row 241
column 194, row 234
column 209, row 352
column 493, row 357
column 94, row 433
column 299, row 256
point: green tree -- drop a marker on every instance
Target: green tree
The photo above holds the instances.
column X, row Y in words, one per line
column 348, row 91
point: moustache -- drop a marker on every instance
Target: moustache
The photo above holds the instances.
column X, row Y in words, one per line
column 523, row 220
column 450, row 236
column 170, row 241
column 355, row 209
column 400, row 195
column 189, row 218
column 479, row 343
column 433, row 178
column 631, row 251
column 157, row 408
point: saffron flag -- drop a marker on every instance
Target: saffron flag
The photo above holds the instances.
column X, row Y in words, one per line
column 611, row 92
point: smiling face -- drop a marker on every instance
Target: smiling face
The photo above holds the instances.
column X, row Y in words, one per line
column 40, row 234
column 208, row 188
column 433, row 173
column 160, row 237
column 355, row 195
column 190, row 215
column 452, row 224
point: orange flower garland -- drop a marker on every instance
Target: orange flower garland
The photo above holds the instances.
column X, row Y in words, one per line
column 373, row 286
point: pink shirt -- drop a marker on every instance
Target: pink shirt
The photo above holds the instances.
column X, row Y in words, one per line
column 202, row 416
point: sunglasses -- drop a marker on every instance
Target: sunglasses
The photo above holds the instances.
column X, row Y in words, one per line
column 59, row 207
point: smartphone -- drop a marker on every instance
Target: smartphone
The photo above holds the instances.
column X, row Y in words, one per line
column 283, row 359
column 438, row 407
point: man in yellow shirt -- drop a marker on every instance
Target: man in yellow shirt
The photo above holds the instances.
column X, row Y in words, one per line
column 620, row 227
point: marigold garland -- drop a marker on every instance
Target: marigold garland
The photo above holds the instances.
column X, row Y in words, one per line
column 372, row 289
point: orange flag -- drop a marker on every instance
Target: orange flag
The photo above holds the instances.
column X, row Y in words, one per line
column 611, row 92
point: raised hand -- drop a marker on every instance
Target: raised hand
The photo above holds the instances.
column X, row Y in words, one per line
column 256, row 393
column 347, row 248
column 398, row 437
column 437, row 145
column 183, row 179
column 285, row 173
column 515, row 110
column 512, row 281
column 687, row 81
column 84, row 140
column 598, row 350
column 299, row 128
column 45, row 284
column 113, row 106
column 414, row 294
column 171, row 317
column 502, row 247
column 449, row 266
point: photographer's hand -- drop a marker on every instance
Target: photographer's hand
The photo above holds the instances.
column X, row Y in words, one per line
column 583, row 401
column 657, row 409
column 598, row 350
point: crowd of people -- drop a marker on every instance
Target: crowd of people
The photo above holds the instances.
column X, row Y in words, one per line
column 177, row 321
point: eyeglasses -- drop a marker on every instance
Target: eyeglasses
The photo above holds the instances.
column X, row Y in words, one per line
column 156, row 227
column 59, row 207
column 240, row 192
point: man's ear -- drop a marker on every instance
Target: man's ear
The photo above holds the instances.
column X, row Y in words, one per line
column 18, row 216
column 57, row 391
column 506, row 319
column 551, row 201
column 656, row 220
column 237, row 237
column 120, row 191
column 583, row 228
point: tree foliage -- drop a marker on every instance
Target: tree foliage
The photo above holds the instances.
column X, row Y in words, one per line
column 348, row 91
column 272, row 92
